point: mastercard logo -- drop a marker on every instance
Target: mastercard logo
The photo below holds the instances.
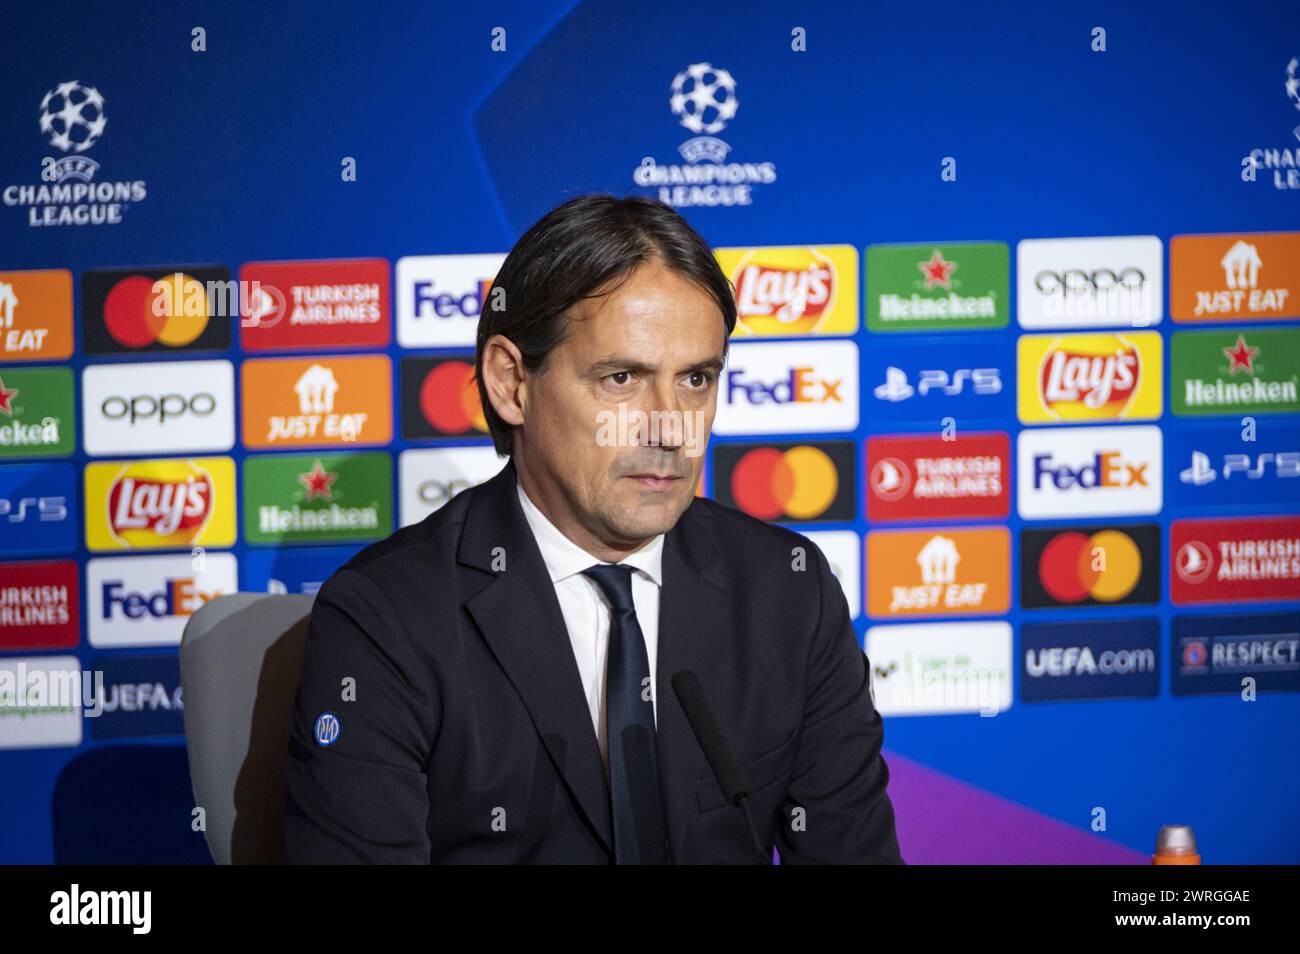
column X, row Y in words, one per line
column 1105, row 566
column 449, row 400
column 171, row 311
column 799, row 484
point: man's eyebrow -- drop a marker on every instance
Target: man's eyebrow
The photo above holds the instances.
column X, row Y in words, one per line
column 613, row 363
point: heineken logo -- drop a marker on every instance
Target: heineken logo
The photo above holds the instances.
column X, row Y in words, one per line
column 36, row 413
column 1253, row 370
column 949, row 287
column 317, row 498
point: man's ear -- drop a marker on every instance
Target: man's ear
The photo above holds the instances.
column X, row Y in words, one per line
column 505, row 379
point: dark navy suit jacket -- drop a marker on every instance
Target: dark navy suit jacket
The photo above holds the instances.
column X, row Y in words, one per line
column 469, row 738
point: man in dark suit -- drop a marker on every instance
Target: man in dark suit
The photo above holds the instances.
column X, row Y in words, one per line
column 496, row 683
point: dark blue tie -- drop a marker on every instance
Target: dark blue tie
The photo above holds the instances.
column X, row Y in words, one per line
column 630, row 727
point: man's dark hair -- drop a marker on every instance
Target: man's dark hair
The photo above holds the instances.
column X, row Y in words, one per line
column 576, row 251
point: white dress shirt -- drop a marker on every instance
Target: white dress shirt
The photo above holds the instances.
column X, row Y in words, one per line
column 586, row 612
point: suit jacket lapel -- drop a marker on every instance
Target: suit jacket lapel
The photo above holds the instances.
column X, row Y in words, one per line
column 696, row 621
column 520, row 618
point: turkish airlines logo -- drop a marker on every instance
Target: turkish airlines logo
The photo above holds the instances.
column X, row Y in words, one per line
column 315, row 304
column 929, row 477
column 1235, row 560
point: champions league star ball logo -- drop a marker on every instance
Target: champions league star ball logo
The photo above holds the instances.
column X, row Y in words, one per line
column 704, row 98
column 704, row 101
column 72, row 120
column 1284, row 162
column 1293, row 86
column 72, row 116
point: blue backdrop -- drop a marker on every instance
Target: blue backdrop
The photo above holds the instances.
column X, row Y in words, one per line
column 459, row 147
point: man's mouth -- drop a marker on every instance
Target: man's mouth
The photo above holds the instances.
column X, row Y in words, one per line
column 654, row 481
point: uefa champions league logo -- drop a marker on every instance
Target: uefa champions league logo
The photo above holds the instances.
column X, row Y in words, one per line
column 1293, row 87
column 72, row 120
column 703, row 100
column 72, row 116
column 1283, row 162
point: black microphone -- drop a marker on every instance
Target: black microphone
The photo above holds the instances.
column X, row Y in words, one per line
column 731, row 778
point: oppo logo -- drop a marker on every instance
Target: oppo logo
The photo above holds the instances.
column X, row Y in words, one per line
column 1077, row 282
column 145, row 407
column 435, row 493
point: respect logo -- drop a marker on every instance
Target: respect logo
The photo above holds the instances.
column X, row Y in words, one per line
column 1089, row 377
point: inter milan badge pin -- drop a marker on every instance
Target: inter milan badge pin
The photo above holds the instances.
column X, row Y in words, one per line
column 327, row 729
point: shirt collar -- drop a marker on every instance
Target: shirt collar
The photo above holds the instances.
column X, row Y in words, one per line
column 564, row 557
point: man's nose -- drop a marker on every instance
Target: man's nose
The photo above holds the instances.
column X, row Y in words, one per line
column 663, row 411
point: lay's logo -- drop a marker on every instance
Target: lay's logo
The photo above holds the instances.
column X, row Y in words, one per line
column 160, row 504
column 1090, row 377
column 793, row 291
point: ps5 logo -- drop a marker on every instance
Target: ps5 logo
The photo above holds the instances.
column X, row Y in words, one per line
column 896, row 387
column 1285, row 464
column 45, row 508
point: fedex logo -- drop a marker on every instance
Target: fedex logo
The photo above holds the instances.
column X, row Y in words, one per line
column 789, row 387
column 429, row 301
column 1106, row 469
column 1089, row 471
column 178, row 597
column 801, row 386
column 440, row 297
column 146, row 600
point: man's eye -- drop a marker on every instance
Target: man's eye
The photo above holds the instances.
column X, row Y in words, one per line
column 705, row 378
column 617, row 374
